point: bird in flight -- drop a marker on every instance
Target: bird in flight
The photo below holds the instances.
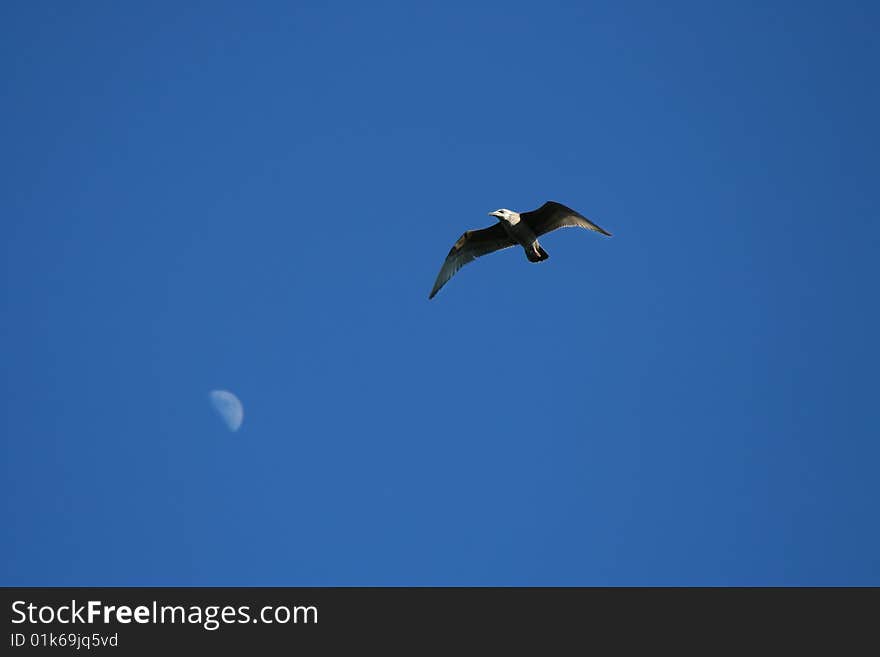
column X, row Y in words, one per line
column 513, row 228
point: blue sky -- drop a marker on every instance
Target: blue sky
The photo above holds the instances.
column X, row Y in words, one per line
column 257, row 197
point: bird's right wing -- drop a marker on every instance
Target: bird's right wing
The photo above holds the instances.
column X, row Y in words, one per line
column 553, row 215
column 469, row 247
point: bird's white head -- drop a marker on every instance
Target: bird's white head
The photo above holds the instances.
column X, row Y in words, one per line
column 505, row 215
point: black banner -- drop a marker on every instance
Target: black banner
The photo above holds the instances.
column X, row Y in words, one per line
column 152, row 620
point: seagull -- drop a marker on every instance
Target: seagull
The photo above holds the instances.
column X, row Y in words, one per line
column 512, row 228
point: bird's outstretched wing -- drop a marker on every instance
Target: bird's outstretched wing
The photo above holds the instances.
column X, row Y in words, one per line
column 469, row 247
column 553, row 215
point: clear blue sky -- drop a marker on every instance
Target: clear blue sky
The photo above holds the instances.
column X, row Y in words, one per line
column 258, row 196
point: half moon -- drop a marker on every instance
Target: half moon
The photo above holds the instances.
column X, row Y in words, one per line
column 228, row 407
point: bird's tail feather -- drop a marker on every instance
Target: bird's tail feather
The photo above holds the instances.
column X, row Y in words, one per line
column 537, row 253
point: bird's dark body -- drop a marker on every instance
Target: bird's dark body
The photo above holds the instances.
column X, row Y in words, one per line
column 522, row 234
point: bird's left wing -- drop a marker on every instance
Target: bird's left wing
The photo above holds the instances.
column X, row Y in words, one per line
column 469, row 247
column 553, row 215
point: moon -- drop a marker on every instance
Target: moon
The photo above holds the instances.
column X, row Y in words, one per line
column 228, row 407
